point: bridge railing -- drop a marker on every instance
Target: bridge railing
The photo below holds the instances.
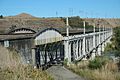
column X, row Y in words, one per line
column 91, row 44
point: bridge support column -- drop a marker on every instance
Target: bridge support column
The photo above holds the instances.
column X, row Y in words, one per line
column 103, row 45
column 34, row 57
column 99, row 50
column 94, row 42
column 90, row 44
column 76, row 50
column 79, row 51
column 99, row 47
column 69, row 57
column 83, row 49
column 94, row 51
column 103, row 39
column 67, row 50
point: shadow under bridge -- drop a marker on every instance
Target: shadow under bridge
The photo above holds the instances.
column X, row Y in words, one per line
column 49, row 48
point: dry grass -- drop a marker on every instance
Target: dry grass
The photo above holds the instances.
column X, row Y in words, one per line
column 23, row 73
column 12, row 69
column 107, row 72
column 8, row 58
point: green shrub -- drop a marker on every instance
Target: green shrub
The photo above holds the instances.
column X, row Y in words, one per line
column 97, row 63
column 65, row 62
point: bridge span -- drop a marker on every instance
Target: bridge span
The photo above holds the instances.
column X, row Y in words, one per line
column 50, row 46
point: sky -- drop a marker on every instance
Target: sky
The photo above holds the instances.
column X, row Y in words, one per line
column 62, row 8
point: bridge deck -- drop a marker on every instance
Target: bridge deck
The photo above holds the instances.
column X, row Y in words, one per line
column 13, row 36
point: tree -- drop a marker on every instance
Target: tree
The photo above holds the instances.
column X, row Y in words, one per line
column 13, row 27
column 76, row 22
column 1, row 16
column 117, row 38
column 116, row 42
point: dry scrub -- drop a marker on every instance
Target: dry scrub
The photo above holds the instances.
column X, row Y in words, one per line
column 107, row 72
column 8, row 58
column 12, row 69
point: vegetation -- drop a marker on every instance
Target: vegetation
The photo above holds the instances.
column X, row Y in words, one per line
column 116, row 38
column 116, row 42
column 77, row 22
column 12, row 69
column 97, row 63
column 65, row 62
column 1, row 16
column 23, row 73
column 91, row 70
column 13, row 27
column 109, row 47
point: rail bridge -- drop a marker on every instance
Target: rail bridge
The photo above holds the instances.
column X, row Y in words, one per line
column 50, row 45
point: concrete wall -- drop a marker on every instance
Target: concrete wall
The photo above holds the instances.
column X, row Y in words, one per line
column 23, row 47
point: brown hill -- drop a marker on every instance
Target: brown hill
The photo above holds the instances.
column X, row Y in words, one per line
column 25, row 20
column 107, row 22
column 22, row 16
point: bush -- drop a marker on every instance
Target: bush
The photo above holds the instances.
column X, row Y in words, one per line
column 109, row 47
column 65, row 62
column 97, row 63
column 1, row 16
column 12, row 69
column 108, row 71
column 76, row 22
column 23, row 73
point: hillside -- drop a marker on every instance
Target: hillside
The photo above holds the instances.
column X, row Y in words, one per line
column 25, row 20
column 22, row 15
column 107, row 22
column 28, row 21
column 113, row 22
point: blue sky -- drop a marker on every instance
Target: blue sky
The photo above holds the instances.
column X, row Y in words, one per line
column 53, row 8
